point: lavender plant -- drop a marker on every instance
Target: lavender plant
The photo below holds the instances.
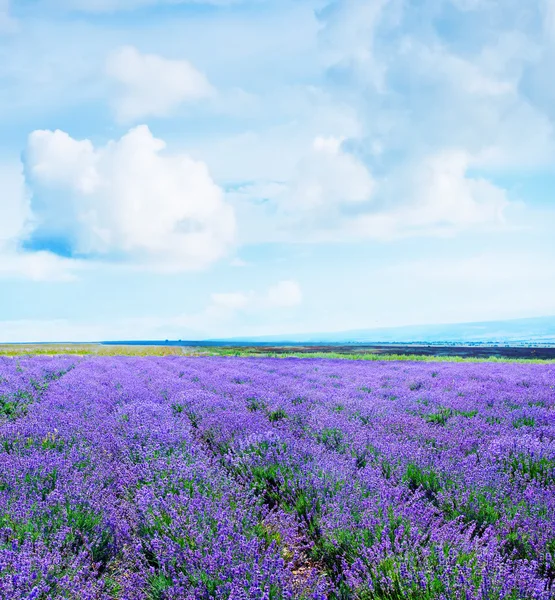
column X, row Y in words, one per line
column 260, row 478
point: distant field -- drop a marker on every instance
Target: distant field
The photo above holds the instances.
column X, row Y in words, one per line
column 352, row 352
column 269, row 479
column 94, row 349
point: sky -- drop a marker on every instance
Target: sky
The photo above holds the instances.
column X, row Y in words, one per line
column 188, row 169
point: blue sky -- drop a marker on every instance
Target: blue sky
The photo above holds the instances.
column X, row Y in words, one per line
column 190, row 169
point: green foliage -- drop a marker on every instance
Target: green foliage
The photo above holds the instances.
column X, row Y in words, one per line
column 517, row 546
column 469, row 414
column 267, row 534
column 386, row 468
column 539, row 403
column 15, row 405
column 443, row 414
column 493, row 420
column 254, row 404
column 308, row 509
column 332, row 438
column 363, row 418
column 52, row 442
column 271, row 482
column 478, row 509
column 538, row 468
column 342, row 544
column 277, row 415
column 87, row 527
column 524, row 422
column 39, row 386
column 440, row 417
column 158, row 583
column 426, row 480
column 177, row 409
column 8, row 407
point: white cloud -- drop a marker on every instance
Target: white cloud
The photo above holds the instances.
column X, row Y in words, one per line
column 333, row 197
column 37, row 266
column 435, row 197
column 227, row 309
column 281, row 130
column 329, row 176
column 475, row 78
column 128, row 201
column 284, row 294
column 151, row 85
column 421, row 89
column 57, row 160
column 15, row 216
column 349, row 38
column 326, row 182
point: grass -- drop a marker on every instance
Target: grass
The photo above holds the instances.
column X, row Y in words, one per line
column 426, row 480
column 440, row 417
column 332, row 438
column 12, row 350
column 539, row 468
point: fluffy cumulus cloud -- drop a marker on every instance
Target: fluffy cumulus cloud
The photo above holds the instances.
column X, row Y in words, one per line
column 333, row 197
column 329, row 176
column 442, row 74
column 150, row 85
column 411, row 120
column 127, row 201
column 440, row 199
column 15, row 225
column 442, row 93
column 326, row 184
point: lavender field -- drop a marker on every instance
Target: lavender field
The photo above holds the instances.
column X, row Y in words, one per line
column 258, row 478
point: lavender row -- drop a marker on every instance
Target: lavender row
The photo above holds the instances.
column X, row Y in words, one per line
column 278, row 478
